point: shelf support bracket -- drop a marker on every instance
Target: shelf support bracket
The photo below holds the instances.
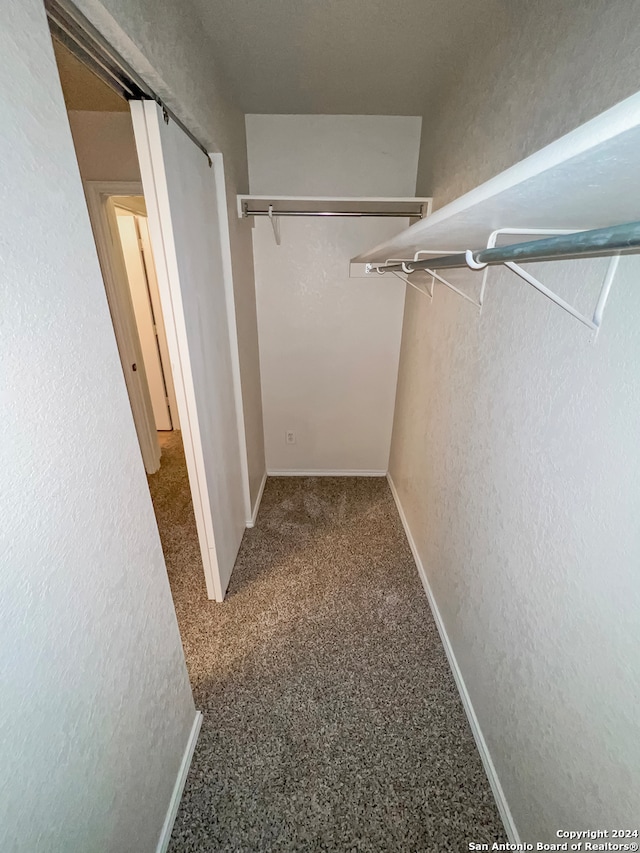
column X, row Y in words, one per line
column 405, row 278
column 275, row 224
column 408, row 270
column 436, row 277
column 594, row 322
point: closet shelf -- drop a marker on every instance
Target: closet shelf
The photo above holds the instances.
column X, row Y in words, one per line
column 581, row 192
column 275, row 205
column 585, row 180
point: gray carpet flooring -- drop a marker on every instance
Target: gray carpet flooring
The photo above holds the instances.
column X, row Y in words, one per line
column 331, row 719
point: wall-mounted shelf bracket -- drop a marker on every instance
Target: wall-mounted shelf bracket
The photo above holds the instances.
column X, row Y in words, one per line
column 436, row 277
column 275, row 224
column 609, row 242
column 592, row 322
column 370, row 268
column 407, row 269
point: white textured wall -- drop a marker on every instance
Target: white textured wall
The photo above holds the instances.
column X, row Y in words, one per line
column 515, row 446
column 546, row 67
column 104, row 144
column 168, row 46
column 515, row 454
column 96, row 706
column 329, row 345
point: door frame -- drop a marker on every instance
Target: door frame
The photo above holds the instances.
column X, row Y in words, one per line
column 114, row 274
column 148, row 329
column 154, row 294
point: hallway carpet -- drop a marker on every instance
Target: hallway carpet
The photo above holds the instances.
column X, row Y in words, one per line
column 331, row 719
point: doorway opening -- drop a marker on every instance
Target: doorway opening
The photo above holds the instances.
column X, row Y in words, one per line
column 133, row 229
column 105, row 148
column 125, row 139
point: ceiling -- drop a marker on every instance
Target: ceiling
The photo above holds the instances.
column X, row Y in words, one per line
column 342, row 56
column 81, row 88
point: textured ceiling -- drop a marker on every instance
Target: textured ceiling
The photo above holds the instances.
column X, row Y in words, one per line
column 342, row 56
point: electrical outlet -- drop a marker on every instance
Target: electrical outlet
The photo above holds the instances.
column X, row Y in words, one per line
column 290, row 436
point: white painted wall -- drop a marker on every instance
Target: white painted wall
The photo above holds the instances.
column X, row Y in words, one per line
column 329, row 344
column 176, row 57
column 515, row 450
column 515, row 456
column 96, row 704
column 545, row 68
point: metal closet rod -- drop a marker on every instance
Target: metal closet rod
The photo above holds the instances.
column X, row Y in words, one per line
column 615, row 239
column 399, row 213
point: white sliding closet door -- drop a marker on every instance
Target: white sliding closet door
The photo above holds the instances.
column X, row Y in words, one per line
column 181, row 195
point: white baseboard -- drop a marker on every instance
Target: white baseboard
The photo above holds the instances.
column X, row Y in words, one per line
column 251, row 522
column 490, row 770
column 178, row 788
column 295, row 473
